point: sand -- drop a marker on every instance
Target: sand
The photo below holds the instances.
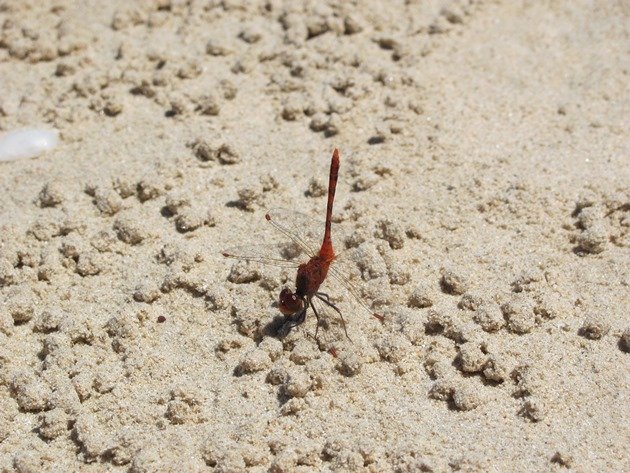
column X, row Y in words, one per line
column 483, row 197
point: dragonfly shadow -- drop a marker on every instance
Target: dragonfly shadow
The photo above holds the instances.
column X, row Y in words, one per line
column 276, row 328
column 238, row 204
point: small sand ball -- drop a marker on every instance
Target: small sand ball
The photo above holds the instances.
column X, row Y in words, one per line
column 147, row 291
column 272, row 346
column 31, row 392
column 495, row 370
column 72, row 246
column 231, row 343
column 254, row 361
column 176, row 200
column 391, row 232
column 90, row 264
column 323, row 122
column 349, row 363
column 584, row 200
column 594, row 327
column 470, row 302
column 6, row 323
column 489, row 317
column 208, row 104
column 150, row 188
column 217, row 298
column 525, row 280
column 249, row 197
column 370, row 262
column 420, row 297
column 472, row 358
column 179, row 105
column 31, row 461
column 562, row 457
column 129, row 230
column 278, row 374
column 439, row 367
column 51, row 195
column 302, row 352
column 222, row 152
column 8, row 274
column 316, row 188
column 248, row 322
column 21, row 307
column 551, row 306
column 123, row 329
column 90, row 436
column 293, row 108
column 214, row 47
column 519, row 314
column 398, row 273
column 45, row 228
column 268, row 182
column 438, row 320
column 125, row 186
column 254, row 455
column 298, row 384
column 590, row 217
column 251, row 34
column 534, row 409
column 223, row 458
column 27, row 257
column 82, row 384
column 443, row 389
column 189, row 70
column 625, row 340
column 228, row 154
column 393, row 347
column 50, row 319
column 203, row 150
column 54, row 424
column 80, row 330
column 191, row 218
column 412, row 326
column 243, row 273
column 593, row 240
column 59, row 347
column 107, row 201
column 108, row 375
column 466, row 397
column 453, row 282
column 179, row 412
column 352, row 24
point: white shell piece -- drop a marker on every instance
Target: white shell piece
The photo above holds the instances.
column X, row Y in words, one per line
column 27, row 143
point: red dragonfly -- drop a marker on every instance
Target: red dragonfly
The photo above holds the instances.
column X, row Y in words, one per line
column 311, row 274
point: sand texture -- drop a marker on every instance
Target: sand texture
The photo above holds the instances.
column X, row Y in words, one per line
column 483, row 208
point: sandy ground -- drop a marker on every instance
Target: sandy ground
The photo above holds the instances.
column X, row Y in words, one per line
column 484, row 194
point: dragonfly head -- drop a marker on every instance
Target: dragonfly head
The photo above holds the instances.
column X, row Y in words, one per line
column 289, row 302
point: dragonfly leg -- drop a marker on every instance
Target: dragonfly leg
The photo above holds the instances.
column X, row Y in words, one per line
column 330, row 304
column 322, row 294
column 317, row 317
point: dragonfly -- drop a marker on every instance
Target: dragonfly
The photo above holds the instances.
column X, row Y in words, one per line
column 311, row 274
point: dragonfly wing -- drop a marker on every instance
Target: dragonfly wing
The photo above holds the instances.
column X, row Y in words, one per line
column 300, row 228
column 305, row 230
column 337, row 272
column 273, row 254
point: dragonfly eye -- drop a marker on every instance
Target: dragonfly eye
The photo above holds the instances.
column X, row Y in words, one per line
column 289, row 303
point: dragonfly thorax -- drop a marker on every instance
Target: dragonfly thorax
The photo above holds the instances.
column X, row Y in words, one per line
column 310, row 276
